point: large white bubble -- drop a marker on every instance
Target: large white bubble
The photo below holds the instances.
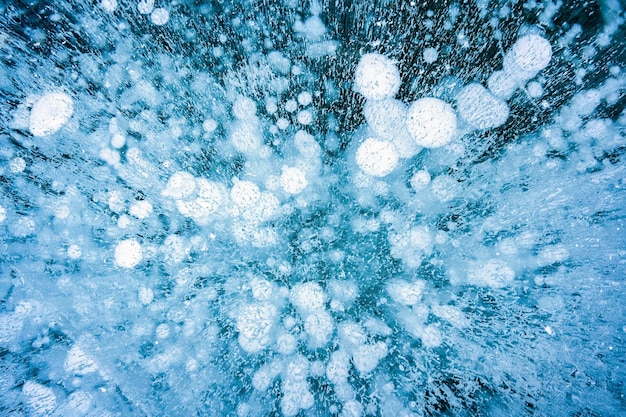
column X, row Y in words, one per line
column 128, row 253
column 50, row 113
column 529, row 55
column 481, row 109
column 431, row 122
column 376, row 77
column 376, row 157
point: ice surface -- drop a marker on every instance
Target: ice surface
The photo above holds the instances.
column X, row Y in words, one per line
column 312, row 208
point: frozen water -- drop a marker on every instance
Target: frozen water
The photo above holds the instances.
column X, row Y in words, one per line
column 312, row 208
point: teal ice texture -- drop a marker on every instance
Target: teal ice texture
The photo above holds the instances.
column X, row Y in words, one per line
column 312, row 208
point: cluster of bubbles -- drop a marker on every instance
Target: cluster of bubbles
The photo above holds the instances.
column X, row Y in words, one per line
column 243, row 221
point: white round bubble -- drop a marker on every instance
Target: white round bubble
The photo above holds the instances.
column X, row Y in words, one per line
column 162, row 331
column 109, row 156
column 305, row 98
column 282, row 123
column 23, row 227
column 501, row 84
column 407, row 293
column 246, row 138
column 145, row 295
column 481, row 109
column 209, row 198
column 245, row 194
column 128, row 253
column 180, row 185
column 319, row 326
column 271, row 105
column 306, row 144
column 209, row 125
column 305, row 117
column 141, row 209
column 431, row 336
column 493, row 273
column 109, row 5
column 535, row 89
column 338, row 368
column 412, row 245
column 255, row 323
column 145, row 6
column 431, row 122
column 244, row 108
column 17, row 165
column 351, row 334
column 352, row 408
column 307, row 297
column 531, row 53
column 264, row 376
column 430, row 55
column 420, row 179
column 376, row 157
column 74, row 252
column 293, row 180
column 366, row 357
column 385, row 117
column 62, row 212
column 79, row 403
column 291, row 106
column 123, row 222
column 160, row 16
column 78, row 362
column 266, row 208
column 376, row 77
column 41, row 399
column 50, row 113
column 118, row 141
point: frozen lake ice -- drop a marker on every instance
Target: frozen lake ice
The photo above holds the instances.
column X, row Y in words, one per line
column 312, row 208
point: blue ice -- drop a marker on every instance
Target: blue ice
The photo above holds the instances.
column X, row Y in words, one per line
column 312, row 208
